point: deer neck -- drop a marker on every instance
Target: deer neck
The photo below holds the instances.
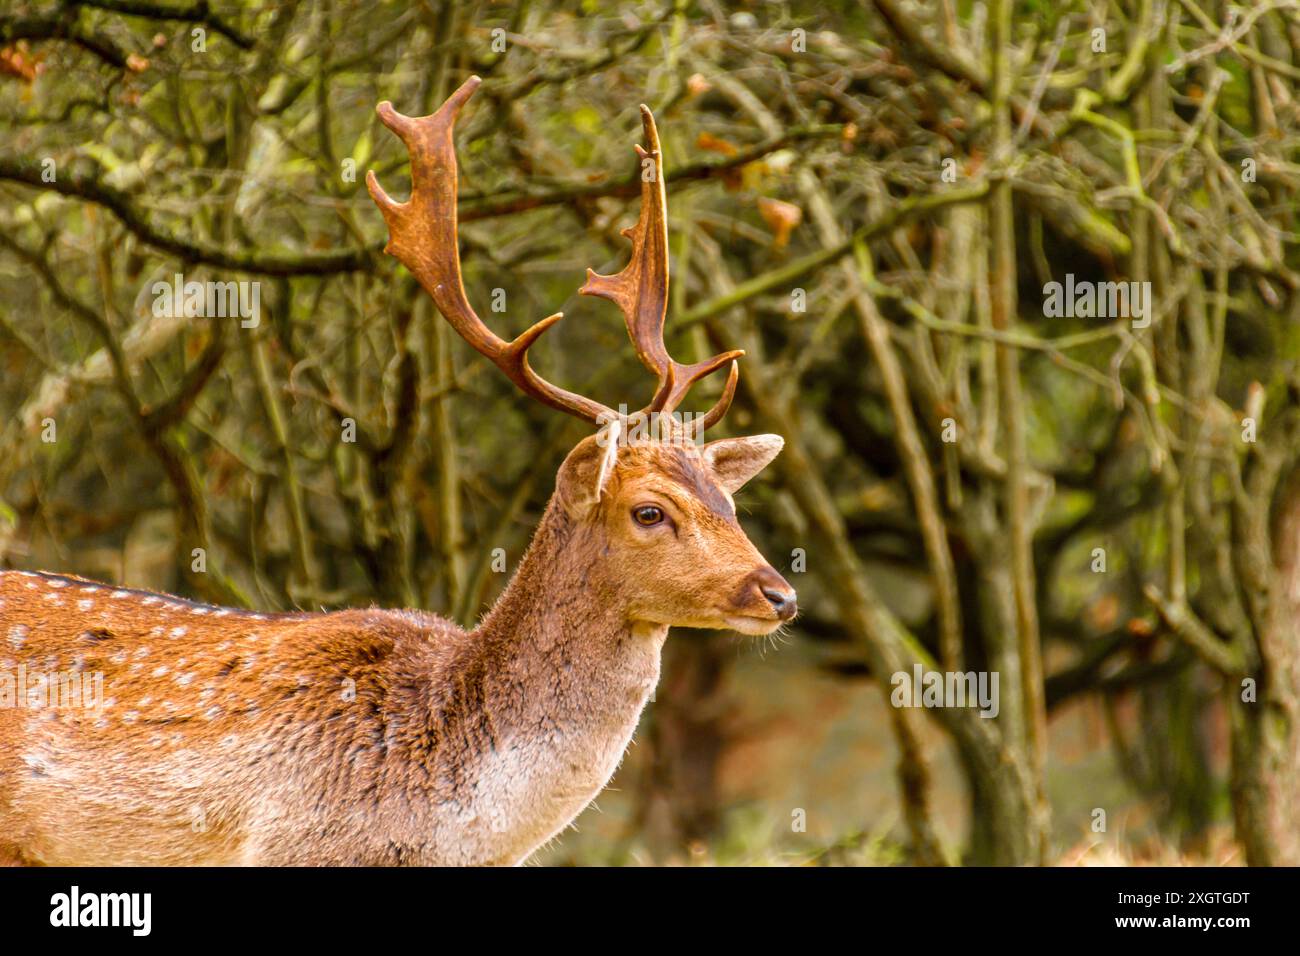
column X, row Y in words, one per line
column 561, row 625
column 563, row 677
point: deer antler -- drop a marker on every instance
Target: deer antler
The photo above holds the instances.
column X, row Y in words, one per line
column 641, row 292
column 423, row 236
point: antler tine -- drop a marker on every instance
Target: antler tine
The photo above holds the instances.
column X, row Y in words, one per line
column 641, row 292
column 720, row 407
column 423, row 236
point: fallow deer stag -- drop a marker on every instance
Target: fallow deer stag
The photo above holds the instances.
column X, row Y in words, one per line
column 395, row 737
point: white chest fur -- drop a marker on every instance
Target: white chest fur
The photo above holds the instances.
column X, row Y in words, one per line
column 534, row 784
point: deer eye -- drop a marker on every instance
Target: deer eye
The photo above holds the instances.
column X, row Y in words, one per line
column 647, row 515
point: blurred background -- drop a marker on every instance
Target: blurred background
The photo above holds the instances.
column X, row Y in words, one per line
column 874, row 200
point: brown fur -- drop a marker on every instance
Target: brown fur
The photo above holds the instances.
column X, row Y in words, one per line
column 230, row 737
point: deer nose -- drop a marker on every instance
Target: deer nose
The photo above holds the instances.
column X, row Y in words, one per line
column 783, row 602
column 778, row 593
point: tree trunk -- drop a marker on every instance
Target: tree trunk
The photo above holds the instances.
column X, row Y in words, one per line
column 678, row 794
column 1266, row 732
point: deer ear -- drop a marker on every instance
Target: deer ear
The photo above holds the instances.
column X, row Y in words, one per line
column 586, row 471
column 734, row 461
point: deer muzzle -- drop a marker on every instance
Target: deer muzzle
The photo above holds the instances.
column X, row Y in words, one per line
column 774, row 591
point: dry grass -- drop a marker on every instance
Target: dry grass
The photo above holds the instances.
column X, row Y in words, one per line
column 1217, row 849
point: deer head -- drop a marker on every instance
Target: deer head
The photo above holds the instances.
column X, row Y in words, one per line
column 658, row 508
